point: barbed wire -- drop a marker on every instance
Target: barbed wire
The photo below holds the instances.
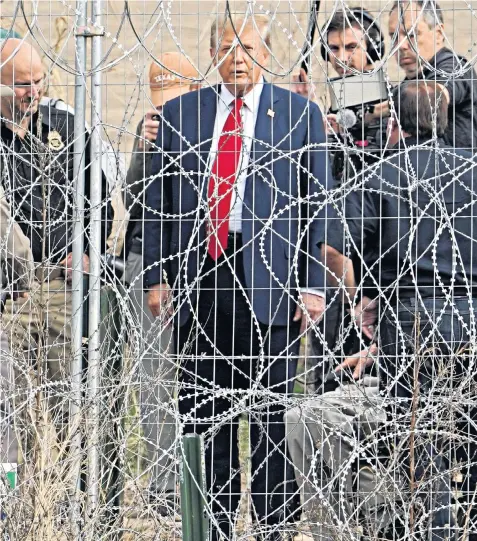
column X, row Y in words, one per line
column 369, row 463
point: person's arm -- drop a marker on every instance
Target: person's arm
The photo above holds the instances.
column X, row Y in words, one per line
column 456, row 89
column 135, row 170
column 349, row 234
column 19, row 255
column 316, row 181
column 360, row 211
column 157, row 230
column 141, row 161
column 340, row 271
column 380, row 111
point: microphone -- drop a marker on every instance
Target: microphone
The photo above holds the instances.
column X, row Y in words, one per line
column 346, row 118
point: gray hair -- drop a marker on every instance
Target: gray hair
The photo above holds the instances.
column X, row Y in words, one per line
column 257, row 20
column 430, row 10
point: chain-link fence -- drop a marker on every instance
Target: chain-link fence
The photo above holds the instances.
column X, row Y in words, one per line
column 250, row 222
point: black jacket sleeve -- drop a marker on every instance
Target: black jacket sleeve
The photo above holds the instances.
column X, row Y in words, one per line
column 158, row 222
column 357, row 223
column 139, row 170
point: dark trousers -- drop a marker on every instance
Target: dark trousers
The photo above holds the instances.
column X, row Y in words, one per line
column 232, row 365
column 428, row 371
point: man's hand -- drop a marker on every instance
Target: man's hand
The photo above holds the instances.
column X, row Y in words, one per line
column 314, row 309
column 381, row 110
column 301, row 85
column 150, row 128
column 366, row 313
column 159, row 300
column 68, row 264
column 359, row 361
column 331, row 124
column 20, row 295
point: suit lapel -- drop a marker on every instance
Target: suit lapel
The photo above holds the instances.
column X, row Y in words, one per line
column 267, row 121
column 268, row 130
column 208, row 111
column 257, row 198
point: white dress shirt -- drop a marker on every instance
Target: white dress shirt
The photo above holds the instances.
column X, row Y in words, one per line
column 249, row 112
column 251, row 102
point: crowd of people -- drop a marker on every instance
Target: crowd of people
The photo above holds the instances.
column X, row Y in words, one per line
column 257, row 220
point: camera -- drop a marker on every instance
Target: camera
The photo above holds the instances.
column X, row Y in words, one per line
column 351, row 98
column 113, row 263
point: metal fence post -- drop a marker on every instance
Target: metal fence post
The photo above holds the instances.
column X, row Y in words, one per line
column 77, row 264
column 95, row 248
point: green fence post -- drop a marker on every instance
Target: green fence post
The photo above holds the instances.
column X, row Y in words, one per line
column 194, row 520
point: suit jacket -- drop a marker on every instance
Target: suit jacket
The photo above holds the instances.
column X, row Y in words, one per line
column 283, row 216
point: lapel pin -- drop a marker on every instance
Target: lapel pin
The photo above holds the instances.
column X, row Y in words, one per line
column 271, row 113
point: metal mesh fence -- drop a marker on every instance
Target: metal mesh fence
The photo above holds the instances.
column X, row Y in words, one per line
column 247, row 221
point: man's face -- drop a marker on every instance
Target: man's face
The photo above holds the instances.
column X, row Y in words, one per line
column 348, row 47
column 240, row 67
column 27, row 80
column 416, row 39
column 392, row 131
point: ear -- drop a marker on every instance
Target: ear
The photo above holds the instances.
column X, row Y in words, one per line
column 213, row 55
column 392, row 131
column 265, row 53
column 439, row 35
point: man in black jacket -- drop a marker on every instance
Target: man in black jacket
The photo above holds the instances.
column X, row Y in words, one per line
column 420, row 205
column 39, row 180
column 417, row 27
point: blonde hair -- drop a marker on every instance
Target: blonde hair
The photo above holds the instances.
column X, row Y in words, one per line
column 256, row 20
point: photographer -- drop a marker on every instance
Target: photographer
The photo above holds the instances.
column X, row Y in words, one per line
column 353, row 43
column 418, row 28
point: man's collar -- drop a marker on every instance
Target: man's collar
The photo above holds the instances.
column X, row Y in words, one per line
column 251, row 99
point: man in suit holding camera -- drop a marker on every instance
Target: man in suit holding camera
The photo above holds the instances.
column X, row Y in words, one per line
column 417, row 27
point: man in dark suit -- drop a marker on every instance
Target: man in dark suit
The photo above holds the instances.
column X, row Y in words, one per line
column 236, row 217
column 420, row 205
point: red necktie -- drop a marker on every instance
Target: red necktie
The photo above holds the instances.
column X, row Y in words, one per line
column 222, row 179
